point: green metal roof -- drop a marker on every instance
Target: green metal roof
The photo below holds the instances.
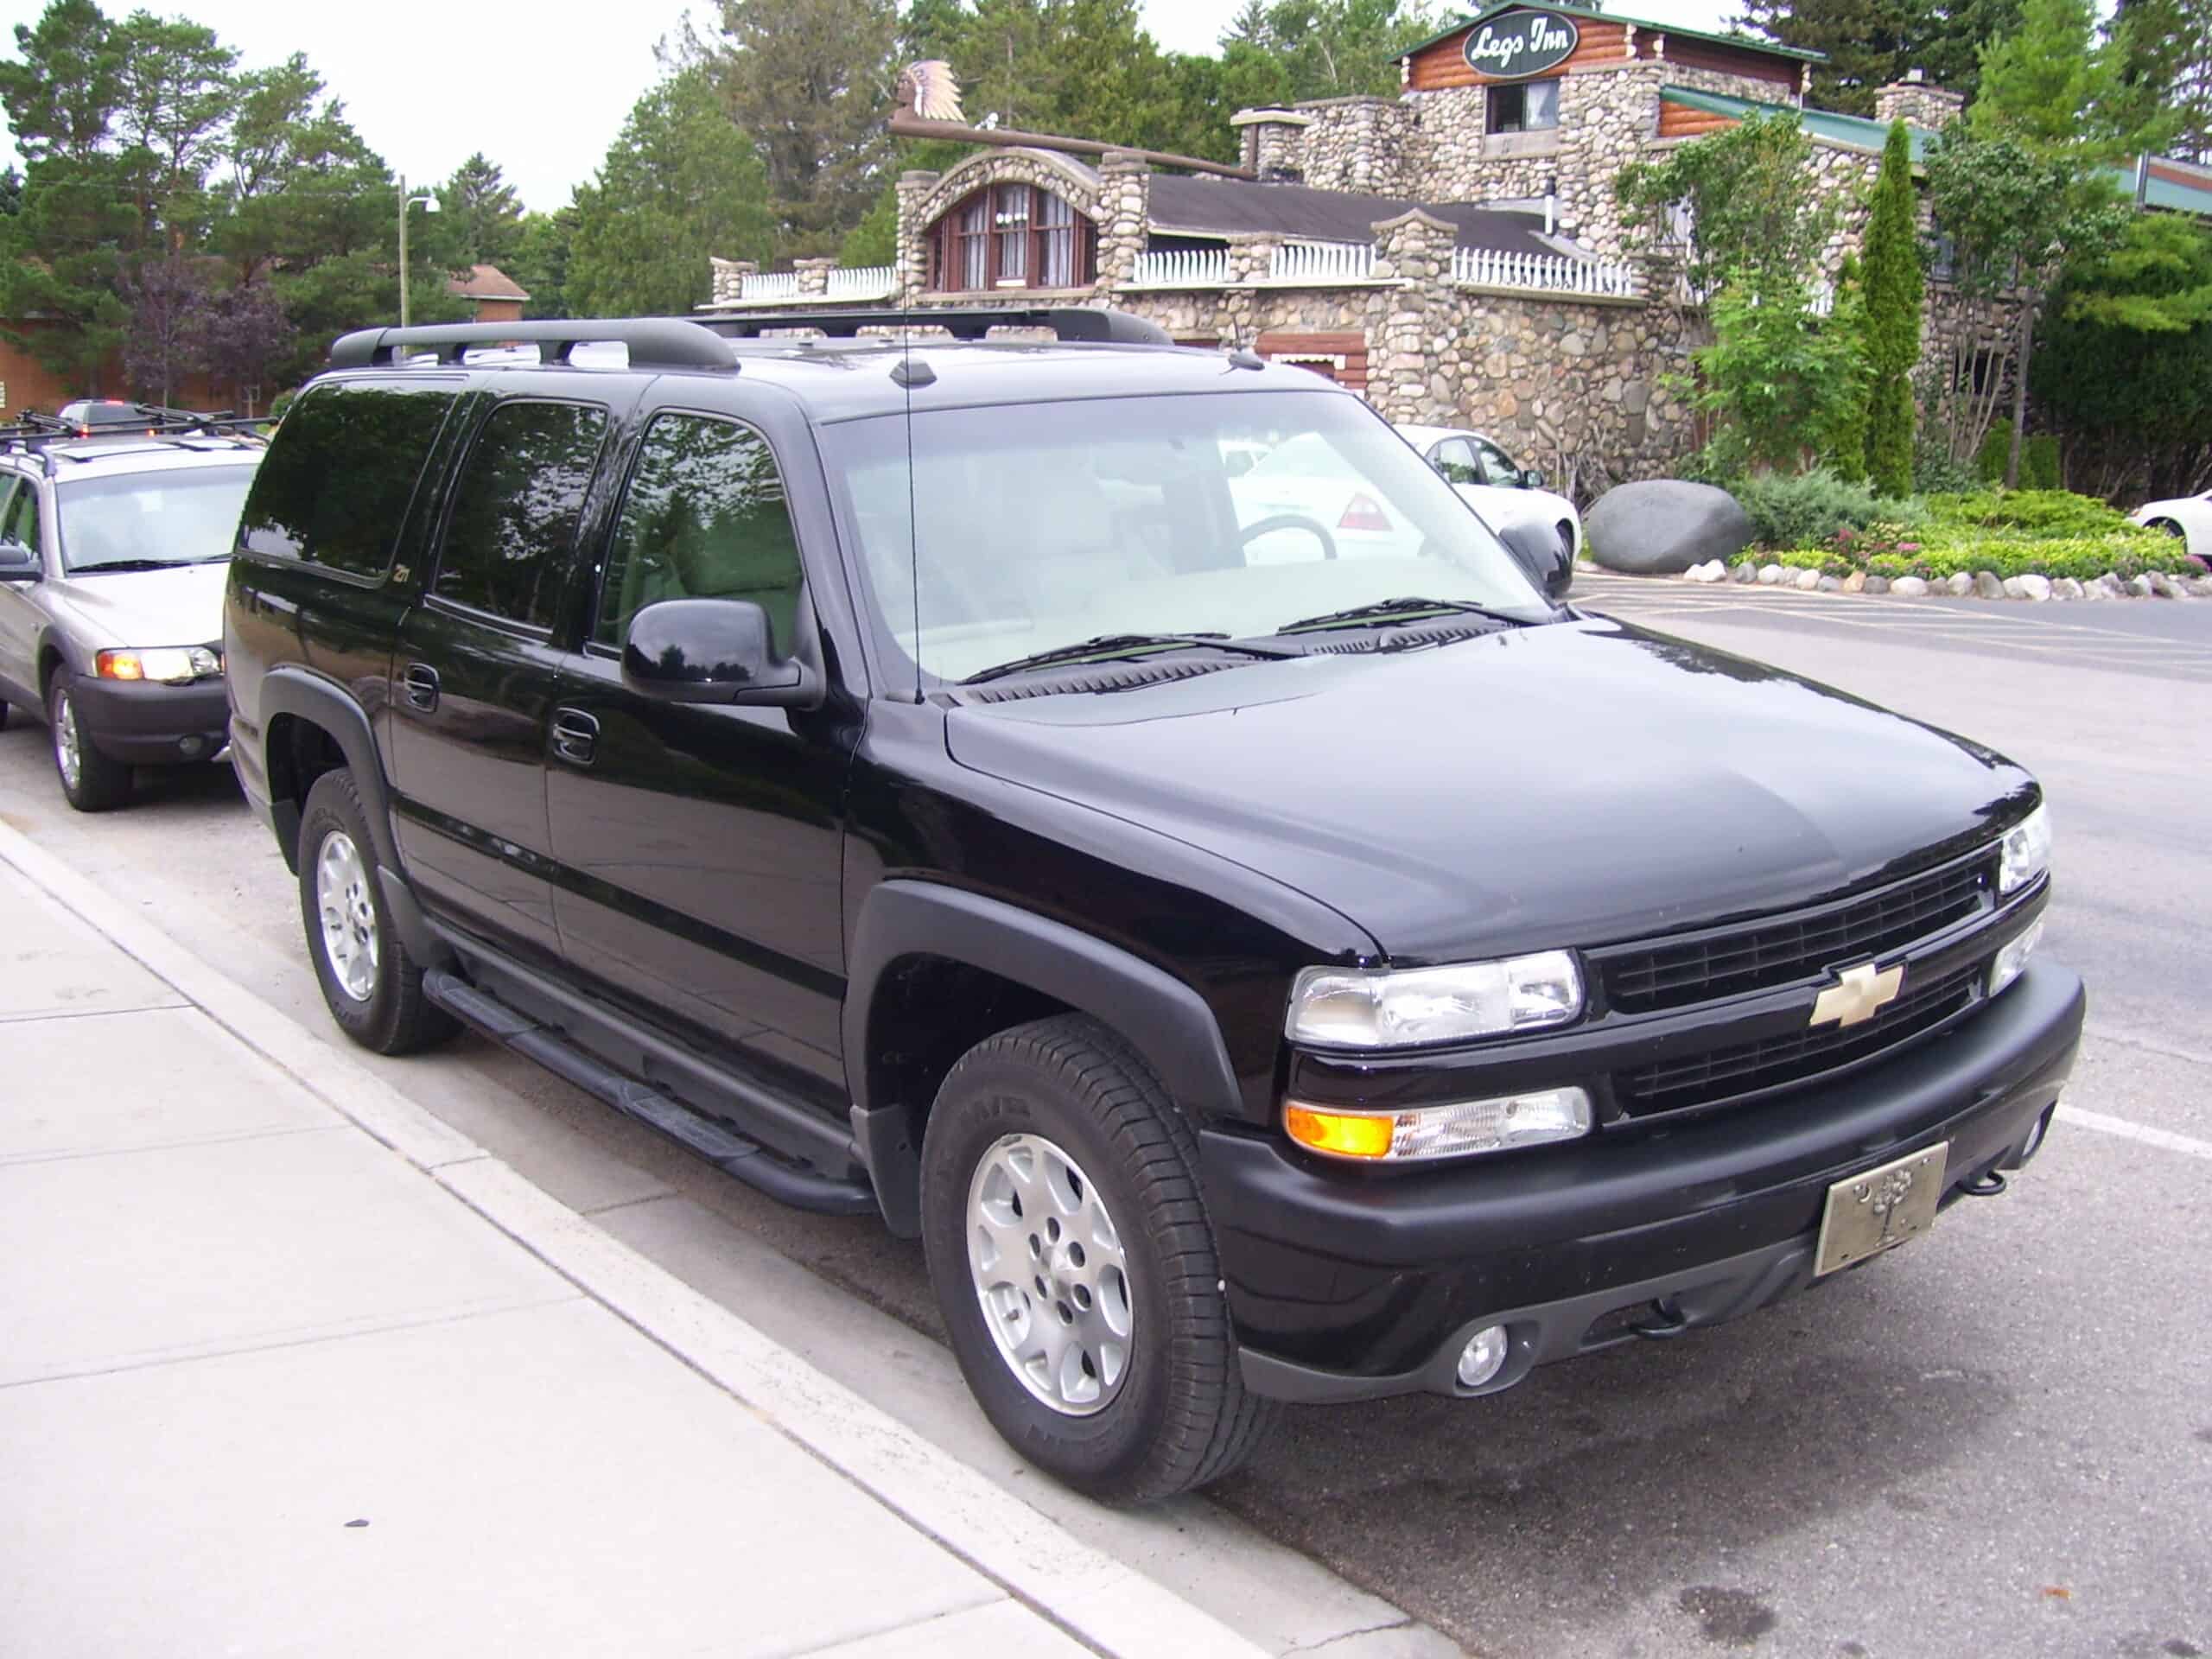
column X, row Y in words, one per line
column 1744, row 40
column 1856, row 132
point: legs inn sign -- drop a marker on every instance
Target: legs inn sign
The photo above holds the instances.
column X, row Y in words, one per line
column 1517, row 43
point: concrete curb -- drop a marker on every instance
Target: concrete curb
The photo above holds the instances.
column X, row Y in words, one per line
column 1098, row 1600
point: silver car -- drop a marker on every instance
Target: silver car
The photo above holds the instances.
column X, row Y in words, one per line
column 113, row 553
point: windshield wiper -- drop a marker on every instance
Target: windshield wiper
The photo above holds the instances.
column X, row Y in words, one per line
column 1108, row 648
column 129, row 564
column 1384, row 611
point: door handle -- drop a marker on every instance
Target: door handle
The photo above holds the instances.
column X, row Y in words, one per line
column 420, row 685
column 576, row 735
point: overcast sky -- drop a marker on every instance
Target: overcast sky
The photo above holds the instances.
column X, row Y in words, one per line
column 540, row 90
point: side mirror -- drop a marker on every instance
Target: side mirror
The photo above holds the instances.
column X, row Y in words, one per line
column 1532, row 478
column 1542, row 554
column 18, row 562
column 713, row 651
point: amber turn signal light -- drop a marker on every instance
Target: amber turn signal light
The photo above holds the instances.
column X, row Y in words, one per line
column 1342, row 1134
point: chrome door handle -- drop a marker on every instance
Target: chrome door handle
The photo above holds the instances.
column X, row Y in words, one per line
column 420, row 686
column 576, row 736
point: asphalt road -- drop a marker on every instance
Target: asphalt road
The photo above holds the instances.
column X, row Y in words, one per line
column 1997, row 1441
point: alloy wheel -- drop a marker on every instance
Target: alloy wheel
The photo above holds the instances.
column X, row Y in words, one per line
column 68, row 756
column 347, row 912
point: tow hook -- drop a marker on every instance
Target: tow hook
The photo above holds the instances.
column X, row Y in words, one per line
column 1988, row 1185
column 1666, row 1322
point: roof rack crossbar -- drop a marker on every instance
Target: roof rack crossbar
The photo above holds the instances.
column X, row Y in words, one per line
column 653, row 342
column 1072, row 323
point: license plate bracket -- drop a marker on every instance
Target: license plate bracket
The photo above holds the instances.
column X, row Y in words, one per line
column 1881, row 1209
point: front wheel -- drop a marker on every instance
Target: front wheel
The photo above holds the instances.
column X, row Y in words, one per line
column 1072, row 1256
column 90, row 781
column 371, row 986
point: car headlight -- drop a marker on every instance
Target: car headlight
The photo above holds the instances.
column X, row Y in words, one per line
column 1368, row 1007
column 2014, row 956
column 1533, row 1119
column 171, row 664
column 2024, row 854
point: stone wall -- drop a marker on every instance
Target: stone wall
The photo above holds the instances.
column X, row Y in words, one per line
column 1362, row 144
column 1918, row 104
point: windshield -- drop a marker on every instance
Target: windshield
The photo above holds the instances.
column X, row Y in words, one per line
column 185, row 517
column 1050, row 524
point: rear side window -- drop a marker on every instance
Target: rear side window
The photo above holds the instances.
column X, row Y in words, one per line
column 336, row 483
column 516, row 508
column 19, row 518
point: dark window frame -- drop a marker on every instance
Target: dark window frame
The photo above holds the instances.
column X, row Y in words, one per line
column 1497, row 97
column 985, row 220
column 604, row 564
column 458, row 477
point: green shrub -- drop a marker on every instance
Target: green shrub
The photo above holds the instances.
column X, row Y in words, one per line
column 1934, row 472
column 1996, row 449
column 2039, row 463
column 1802, row 509
column 2027, row 513
column 1944, row 554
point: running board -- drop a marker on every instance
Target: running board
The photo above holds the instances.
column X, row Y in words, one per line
column 720, row 1146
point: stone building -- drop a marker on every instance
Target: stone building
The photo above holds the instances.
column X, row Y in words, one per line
column 1456, row 253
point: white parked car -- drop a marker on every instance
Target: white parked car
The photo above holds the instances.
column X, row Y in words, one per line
column 2189, row 517
column 1501, row 490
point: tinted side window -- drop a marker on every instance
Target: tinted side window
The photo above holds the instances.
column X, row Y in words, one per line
column 19, row 516
column 704, row 517
column 516, row 508
column 336, row 482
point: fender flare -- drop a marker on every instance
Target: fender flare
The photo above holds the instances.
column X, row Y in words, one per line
column 1164, row 1018
column 289, row 689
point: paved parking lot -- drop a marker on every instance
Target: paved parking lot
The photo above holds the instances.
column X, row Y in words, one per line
column 1998, row 1441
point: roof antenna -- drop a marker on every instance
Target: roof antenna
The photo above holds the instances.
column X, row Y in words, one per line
column 909, row 374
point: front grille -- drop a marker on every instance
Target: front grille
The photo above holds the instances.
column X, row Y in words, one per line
column 1780, row 950
column 1722, row 1074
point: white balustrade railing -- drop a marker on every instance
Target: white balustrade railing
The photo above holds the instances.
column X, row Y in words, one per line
column 1319, row 264
column 1182, row 268
column 863, row 282
column 1556, row 273
column 770, row 285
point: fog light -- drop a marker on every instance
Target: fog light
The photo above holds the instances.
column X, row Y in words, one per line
column 1484, row 1356
column 2014, row 956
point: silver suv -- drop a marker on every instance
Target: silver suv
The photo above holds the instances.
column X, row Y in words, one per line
column 112, row 556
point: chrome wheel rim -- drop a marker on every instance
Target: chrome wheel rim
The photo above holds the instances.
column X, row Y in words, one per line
column 68, row 757
column 1050, row 1275
column 347, row 914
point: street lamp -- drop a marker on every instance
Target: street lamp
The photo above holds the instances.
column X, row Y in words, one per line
column 429, row 205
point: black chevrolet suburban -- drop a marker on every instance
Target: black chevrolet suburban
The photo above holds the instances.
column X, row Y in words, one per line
column 1263, row 945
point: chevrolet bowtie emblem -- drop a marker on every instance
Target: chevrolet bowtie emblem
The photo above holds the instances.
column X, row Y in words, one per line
column 1858, row 993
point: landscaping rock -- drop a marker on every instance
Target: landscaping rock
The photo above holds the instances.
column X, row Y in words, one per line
column 1808, row 579
column 1960, row 583
column 2199, row 587
column 1663, row 526
column 2035, row 587
column 1910, row 588
column 1770, row 573
column 1985, row 584
column 1747, row 571
column 1830, row 585
column 1878, row 584
column 2067, row 587
column 2012, row 588
column 2141, row 588
column 2111, row 586
column 1855, row 583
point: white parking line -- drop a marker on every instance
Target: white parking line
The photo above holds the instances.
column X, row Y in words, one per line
column 2188, row 1145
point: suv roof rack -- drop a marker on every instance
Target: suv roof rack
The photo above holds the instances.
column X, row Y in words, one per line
column 654, row 342
column 1074, row 323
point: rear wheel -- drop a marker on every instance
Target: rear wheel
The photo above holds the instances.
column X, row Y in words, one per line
column 371, row 986
column 90, row 781
column 1072, row 1256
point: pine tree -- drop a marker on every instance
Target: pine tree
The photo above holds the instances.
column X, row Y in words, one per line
column 1893, row 295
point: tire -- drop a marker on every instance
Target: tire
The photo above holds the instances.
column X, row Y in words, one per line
column 371, row 986
column 90, row 781
column 2170, row 527
column 1173, row 1415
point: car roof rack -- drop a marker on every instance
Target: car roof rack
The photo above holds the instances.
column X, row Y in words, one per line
column 653, row 342
column 1087, row 325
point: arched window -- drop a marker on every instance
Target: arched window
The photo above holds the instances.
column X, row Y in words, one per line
column 1012, row 235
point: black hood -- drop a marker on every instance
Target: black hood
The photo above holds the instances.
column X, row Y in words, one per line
column 1569, row 784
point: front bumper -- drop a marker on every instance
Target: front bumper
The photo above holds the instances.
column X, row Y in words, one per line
column 146, row 723
column 1356, row 1284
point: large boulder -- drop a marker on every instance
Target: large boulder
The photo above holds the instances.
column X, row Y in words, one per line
column 1664, row 526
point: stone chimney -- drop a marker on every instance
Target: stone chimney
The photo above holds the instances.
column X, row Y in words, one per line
column 1273, row 143
column 729, row 276
column 1917, row 103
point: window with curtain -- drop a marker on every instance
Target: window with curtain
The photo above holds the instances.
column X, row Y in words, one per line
column 1013, row 235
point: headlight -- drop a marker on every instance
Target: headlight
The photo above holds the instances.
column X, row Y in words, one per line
column 1460, row 1129
column 1363, row 1008
column 171, row 664
column 2026, row 851
column 2014, row 956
